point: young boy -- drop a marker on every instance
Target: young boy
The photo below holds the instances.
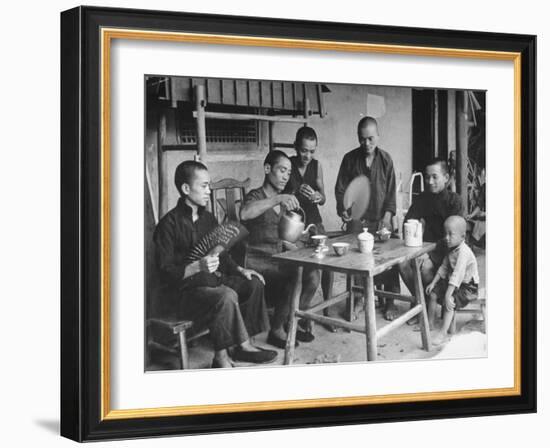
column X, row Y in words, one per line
column 456, row 281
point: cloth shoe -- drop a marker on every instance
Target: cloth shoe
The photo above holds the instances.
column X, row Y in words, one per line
column 303, row 332
column 263, row 356
column 304, row 336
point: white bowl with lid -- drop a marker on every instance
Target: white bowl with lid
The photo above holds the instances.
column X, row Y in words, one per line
column 365, row 241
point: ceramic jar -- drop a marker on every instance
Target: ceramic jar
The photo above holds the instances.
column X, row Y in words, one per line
column 365, row 241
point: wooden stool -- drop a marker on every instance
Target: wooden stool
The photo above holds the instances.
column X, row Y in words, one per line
column 477, row 306
column 160, row 335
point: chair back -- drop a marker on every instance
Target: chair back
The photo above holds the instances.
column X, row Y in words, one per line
column 226, row 206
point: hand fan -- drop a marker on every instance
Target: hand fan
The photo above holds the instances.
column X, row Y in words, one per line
column 223, row 237
column 357, row 197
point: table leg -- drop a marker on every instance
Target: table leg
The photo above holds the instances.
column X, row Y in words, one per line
column 419, row 294
column 350, row 303
column 294, row 306
column 327, row 286
column 370, row 317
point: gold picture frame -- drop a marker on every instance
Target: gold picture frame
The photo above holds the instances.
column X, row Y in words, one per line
column 91, row 394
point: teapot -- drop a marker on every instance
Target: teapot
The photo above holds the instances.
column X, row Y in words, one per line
column 291, row 226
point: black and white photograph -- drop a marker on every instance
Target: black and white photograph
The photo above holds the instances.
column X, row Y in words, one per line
column 293, row 223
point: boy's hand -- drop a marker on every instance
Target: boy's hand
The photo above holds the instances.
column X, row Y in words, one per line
column 430, row 288
column 449, row 302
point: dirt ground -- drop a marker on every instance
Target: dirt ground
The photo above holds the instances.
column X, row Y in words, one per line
column 328, row 347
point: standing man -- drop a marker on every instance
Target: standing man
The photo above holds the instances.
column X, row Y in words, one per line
column 375, row 163
column 306, row 177
column 214, row 291
column 263, row 208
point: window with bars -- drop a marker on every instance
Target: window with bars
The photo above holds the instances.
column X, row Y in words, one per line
column 221, row 135
column 220, row 132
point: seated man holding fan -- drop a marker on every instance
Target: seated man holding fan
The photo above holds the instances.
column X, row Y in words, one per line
column 213, row 290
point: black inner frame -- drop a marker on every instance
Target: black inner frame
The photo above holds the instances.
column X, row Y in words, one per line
column 80, row 223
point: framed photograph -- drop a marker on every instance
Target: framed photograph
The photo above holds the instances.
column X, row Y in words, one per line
column 277, row 224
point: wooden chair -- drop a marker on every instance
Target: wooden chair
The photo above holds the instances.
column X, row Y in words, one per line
column 230, row 202
column 227, row 196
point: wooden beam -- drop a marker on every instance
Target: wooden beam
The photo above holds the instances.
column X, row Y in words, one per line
column 271, row 141
column 173, row 93
column 331, row 321
column 199, row 114
column 237, row 116
column 162, row 167
column 321, row 100
column 154, row 206
column 329, row 302
column 396, row 323
column 462, row 147
column 436, row 123
column 283, row 145
column 394, row 295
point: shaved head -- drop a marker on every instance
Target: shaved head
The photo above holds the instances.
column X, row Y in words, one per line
column 456, row 223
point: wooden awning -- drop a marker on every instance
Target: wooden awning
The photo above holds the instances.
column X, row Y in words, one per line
column 274, row 97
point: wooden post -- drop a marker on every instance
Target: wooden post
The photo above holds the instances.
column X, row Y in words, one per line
column 294, row 306
column 161, row 168
column 321, row 101
column 436, row 123
column 200, row 104
column 420, row 300
column 462, row 147
column 271, row 139
column 183, row 350
column 370, row 317
column 173, row 94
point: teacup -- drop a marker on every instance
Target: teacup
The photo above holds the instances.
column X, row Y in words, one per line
column 340, row 248
column 318, row 240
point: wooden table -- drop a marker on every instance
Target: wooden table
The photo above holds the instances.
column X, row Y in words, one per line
column 385, row 255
